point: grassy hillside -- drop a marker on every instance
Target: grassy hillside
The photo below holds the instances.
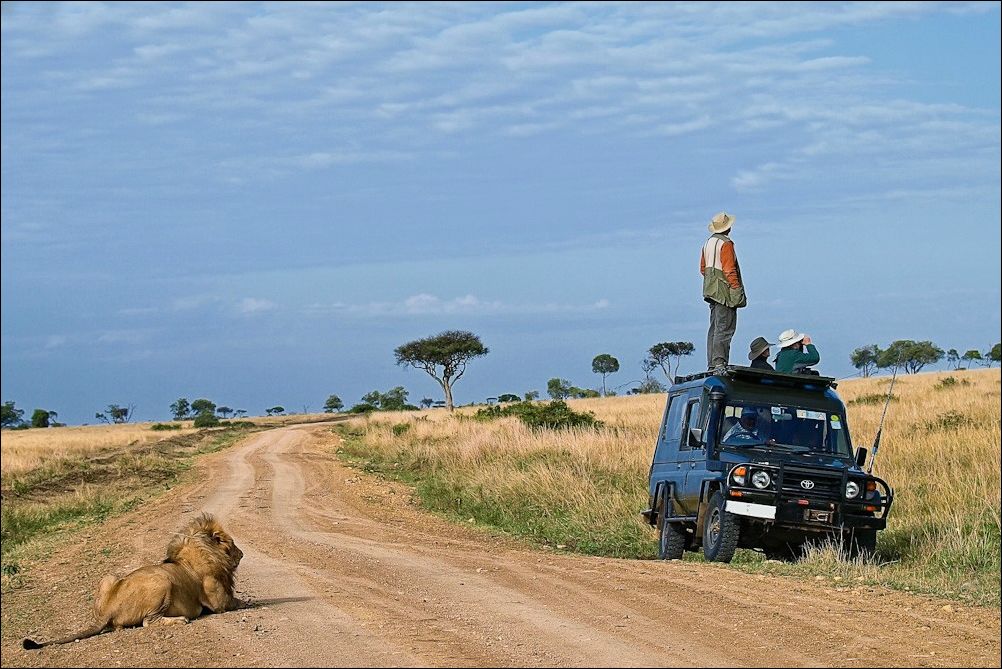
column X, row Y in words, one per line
column 582, row 489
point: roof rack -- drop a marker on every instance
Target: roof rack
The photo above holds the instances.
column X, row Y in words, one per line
column 763, row 376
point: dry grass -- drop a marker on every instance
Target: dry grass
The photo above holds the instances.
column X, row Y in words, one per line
column 24, row 450
column 584, row 488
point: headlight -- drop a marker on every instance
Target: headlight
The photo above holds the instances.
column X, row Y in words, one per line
column 738, row 475
column 852, row 489
column 761, row 480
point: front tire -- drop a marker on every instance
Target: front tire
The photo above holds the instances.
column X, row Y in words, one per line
column 721, row 531
column 671, row 536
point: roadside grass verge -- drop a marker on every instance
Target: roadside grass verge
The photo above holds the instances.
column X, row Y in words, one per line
column 581, row 489
column 65, row 493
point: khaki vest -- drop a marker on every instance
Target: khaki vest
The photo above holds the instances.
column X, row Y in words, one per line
column 715, row 286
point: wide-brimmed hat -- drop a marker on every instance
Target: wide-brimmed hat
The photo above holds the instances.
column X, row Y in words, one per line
column 758, row 346
column 722, row 222
column 789, row 338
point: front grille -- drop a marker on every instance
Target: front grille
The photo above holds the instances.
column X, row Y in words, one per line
column 825, row 485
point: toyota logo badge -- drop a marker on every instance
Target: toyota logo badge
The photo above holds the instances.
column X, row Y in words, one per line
column 807, row 484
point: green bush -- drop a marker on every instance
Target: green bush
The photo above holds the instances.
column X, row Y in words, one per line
column 159, row 427
column 875, row 398
column 400, row 428
column 550, row 415
column 950, row 382
column 206, row 420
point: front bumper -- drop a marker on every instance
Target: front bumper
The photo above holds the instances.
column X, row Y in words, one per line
column 824, row 509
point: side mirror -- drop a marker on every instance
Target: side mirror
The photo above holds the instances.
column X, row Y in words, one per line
column 861, row 456
column 695, row 437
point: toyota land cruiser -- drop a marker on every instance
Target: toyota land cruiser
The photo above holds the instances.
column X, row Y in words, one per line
column 759, row 459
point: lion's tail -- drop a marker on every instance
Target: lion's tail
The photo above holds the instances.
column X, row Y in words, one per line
column 29, row 644
column 103, row 591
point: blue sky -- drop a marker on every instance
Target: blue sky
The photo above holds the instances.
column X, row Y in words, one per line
column 256, row 202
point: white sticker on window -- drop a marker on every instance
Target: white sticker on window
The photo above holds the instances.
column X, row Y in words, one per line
column 777, row 411
column 815, row 415
column 801, row 413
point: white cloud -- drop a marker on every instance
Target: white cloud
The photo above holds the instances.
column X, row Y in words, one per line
column 425, row 304
column 253, row 305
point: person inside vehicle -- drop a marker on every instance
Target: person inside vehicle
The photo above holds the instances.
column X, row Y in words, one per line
column 745, row 431
column 797, row 354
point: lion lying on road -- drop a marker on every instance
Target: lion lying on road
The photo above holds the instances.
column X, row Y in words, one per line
column 198, row 573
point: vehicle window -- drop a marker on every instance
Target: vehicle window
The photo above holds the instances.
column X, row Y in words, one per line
column 787, row 427
column 692, row 420
column 668, row 440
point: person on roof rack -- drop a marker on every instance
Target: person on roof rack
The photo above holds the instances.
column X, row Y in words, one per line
column 723, row 290
column 797, row 354
column 759, row 354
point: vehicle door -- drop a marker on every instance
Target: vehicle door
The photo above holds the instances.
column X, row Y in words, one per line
column 666, row 467
column 693, row 451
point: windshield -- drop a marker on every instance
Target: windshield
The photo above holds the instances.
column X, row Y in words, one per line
column 792, row 428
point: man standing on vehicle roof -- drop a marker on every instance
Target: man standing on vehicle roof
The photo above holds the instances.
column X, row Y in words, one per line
column 722, row 289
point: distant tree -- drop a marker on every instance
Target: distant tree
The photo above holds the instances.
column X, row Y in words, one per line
column 180, row 408
column 275, row 411
column 953, row 358
column 909, row 354
column 865, row 359
column 333, row 404
column 426, row 402
column 42, row 418
column 604, row 364
column 531, row 395
column 558, row 389
column 972, row 357
column 201, row 406
column 649, row 385
column 239, row 413
column 508, row 397
column 224, row 411
column 11, row 415
column 443, row 356
column 116, row 414
column 995, row 354
column 664, row 353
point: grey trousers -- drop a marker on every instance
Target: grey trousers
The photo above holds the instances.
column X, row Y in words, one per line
column 723, row 322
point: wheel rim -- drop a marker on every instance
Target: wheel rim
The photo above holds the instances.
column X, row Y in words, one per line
column 713, row 527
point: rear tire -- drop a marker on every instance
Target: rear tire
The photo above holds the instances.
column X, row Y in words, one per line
column 672, row 537
column 721, row 531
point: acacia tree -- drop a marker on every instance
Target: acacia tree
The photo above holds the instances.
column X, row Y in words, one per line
column 558, row 389
column 43, row 418
column 604, row 364
column 972, row 356
column 953, row 358
column 664, row 353
column 180, row 408
column 443, row 356
column 912, row 355
column 333, row 404
column 11, row 415
column 995, row 354
column 116, row 414
column 865, row 359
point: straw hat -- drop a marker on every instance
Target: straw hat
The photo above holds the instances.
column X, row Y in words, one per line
column 722, row 222
column 789, row 338
column 758, row 346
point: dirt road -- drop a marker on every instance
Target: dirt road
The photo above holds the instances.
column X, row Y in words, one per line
column 342, row 570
